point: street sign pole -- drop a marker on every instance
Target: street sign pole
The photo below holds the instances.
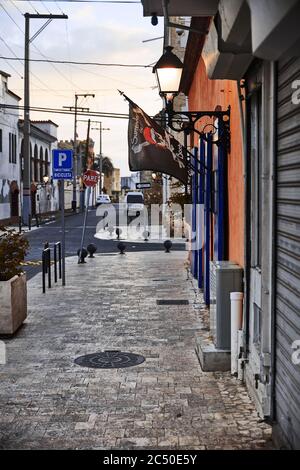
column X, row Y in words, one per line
column 62, row 169
column 90, row 179
column 63, row 233
column 84, row 223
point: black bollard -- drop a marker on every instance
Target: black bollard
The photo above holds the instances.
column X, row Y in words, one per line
column 168, row 245
column 91, row 248
column 122, row 247
column 83, row 255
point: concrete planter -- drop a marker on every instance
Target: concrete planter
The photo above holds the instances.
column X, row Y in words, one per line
column 13, row 304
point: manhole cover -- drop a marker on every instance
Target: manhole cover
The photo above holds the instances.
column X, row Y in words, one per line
column 109, row 360
column 172, row 302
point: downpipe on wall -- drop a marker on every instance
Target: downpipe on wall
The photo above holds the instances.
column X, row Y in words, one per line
column 243, row 349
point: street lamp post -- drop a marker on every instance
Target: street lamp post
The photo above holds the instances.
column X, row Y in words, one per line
column 26, row 130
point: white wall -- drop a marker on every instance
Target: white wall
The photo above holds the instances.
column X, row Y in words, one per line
column 8, row 171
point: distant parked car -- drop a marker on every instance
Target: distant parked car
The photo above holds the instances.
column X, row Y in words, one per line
column 102, row 199
column 134, row 203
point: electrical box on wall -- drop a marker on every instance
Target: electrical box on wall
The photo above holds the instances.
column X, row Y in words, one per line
column 225, row 277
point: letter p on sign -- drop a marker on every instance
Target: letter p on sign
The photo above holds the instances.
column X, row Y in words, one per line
column 62, row 157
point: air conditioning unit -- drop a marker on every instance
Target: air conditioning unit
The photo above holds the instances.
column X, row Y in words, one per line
column 225, row 277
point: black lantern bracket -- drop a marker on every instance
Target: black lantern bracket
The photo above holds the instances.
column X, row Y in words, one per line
column 197, row 121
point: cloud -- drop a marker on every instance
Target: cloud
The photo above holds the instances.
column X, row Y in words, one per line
column 102, row 33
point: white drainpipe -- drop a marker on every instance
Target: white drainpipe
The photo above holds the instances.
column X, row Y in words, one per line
column 236, row 299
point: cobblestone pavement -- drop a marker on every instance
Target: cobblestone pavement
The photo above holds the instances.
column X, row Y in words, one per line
column 49, row 402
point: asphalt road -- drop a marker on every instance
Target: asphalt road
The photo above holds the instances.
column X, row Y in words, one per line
column 51, row 233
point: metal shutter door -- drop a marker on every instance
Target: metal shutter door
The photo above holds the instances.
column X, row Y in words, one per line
column 287, row 380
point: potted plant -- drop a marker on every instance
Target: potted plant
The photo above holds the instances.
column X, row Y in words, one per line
column 13, row 288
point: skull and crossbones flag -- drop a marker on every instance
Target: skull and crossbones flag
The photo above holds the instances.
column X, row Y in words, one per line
column 150, row 147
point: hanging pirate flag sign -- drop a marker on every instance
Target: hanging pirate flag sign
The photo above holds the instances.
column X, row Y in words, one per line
column 151, row 147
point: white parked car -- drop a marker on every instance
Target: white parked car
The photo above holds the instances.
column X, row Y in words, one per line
column 134, row 203
column 102, row 199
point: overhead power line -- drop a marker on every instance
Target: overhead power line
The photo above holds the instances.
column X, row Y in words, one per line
column 70, row 112
column 61, row 111
column 75, row 62
column 37, row 49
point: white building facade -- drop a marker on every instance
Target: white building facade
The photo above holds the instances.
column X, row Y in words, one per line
column 44, row 192
column 9, row 152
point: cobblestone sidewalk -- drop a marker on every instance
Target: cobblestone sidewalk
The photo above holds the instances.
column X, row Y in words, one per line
column 48, row 402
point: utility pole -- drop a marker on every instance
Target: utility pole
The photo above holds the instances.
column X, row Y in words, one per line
column 75, row 166
column 26, row 129
column 100, row 128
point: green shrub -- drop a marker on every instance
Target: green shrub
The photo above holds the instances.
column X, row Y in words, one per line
column 13, row 248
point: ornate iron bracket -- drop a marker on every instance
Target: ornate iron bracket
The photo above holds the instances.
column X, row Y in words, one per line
column 186, row 121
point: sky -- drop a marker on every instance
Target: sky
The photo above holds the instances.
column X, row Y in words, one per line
column 99, row 32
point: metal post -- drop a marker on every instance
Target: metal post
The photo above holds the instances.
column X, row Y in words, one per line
column 26, row 131
column 100, row 161
column 20, row 224
column 43, row 271
column 63, row 235
column 185, row 134
column 55, row 263
column 49, row 266
column 46, row 245
column 84, row 222
column 59, row 260
column 74, row 201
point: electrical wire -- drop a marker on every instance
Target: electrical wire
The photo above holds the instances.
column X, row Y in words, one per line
column 73, row 62
column 44, row 5
column 13, row 68
column 39, row 51
column 13, row 3
column 66, row 112
column 31, row 73
column 33, row 7
column 59, row 7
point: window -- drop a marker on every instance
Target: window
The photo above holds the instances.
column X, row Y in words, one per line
column 36, row 164
column 135, row 199
column 256, row 136
column 46, row 172
column 12, row 148
column 41, row 164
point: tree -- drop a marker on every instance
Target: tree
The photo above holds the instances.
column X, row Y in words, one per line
column 179, row 197
column 107, row 166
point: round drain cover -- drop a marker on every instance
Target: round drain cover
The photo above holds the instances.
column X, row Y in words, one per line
column 109, row 360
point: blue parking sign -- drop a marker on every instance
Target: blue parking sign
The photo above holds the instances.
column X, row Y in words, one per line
column 62, row 164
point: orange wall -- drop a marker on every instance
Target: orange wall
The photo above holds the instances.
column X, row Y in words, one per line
column 206, row 94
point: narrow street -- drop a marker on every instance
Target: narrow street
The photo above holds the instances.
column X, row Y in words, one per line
column 51, row 233
column 49, row 402
column 150, row 230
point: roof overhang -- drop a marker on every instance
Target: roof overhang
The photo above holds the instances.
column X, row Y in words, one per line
column 193, row 52
column 181, row 7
